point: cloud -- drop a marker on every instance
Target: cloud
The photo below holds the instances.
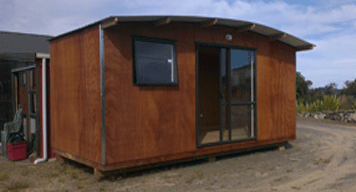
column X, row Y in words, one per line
column 333, row 60
column 331, row 24
column 38, row 15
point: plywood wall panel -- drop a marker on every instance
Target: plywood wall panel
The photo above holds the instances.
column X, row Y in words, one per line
column 75, row 94
column 147, row 122
column 155, row 120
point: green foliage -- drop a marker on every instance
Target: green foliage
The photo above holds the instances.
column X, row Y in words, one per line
column 352, row 102
column 327, row 98
column 347, row 102
column 302, row 86
column 330, row 103
column 350, row 88
column 327, row 103
column 300, row 107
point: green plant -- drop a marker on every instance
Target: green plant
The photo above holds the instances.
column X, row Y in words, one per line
column 300, row 107
column 317, row 106
column 200, row 175
column 352, row 102
column 330, row 103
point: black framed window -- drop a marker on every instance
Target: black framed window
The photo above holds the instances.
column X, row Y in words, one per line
column 154, row 61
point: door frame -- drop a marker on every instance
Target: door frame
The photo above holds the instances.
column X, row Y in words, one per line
column 228, row 61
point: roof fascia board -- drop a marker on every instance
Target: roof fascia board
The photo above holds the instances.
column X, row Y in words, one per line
column 163, row 21
column 305, row 47
column 42, row 55
column 209, row 23
column 109, row 23
column 277, row 36
column 247, row 27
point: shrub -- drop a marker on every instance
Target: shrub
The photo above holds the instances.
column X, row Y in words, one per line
column 330, row 103
column 300, row 107
column 326, row 103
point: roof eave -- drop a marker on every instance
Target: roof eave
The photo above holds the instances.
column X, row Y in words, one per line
column 241, row 26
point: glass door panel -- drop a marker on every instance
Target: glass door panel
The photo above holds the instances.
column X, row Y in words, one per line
column 226, row 99
column 240, row 122
column 240, row 76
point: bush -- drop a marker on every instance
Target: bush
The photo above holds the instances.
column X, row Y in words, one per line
column 347, row 102
column 330, row 103
column 327, row 103
column 300, row 107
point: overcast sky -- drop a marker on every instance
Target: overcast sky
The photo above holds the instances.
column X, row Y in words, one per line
column 329, row 24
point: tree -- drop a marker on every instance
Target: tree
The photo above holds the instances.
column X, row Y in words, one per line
column 302, row 87
column 330, row 89
column 350, row 88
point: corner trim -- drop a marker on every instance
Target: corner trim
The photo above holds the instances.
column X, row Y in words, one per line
column 102, row 94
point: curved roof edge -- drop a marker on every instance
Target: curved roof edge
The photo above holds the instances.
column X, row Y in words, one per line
column 271, row 33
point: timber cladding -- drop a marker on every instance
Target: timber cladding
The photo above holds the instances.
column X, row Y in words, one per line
column 150, row 124
column 75, row 95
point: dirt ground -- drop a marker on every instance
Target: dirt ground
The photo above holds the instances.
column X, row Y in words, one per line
column 322, row 158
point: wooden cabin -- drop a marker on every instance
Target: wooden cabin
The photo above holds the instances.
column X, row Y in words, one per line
column 129, row 91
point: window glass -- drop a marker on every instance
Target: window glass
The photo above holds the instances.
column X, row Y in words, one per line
column 154, row 62
column 241, row 61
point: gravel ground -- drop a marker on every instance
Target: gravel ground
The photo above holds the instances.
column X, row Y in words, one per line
column 322, row 158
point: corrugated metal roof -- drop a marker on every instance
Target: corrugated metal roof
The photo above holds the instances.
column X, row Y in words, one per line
column 269, row 32
column 23, row 43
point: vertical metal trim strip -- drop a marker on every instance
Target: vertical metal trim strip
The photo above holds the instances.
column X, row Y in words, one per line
column 197, row 143
column 252, row 94
column 102, row 89
column 228, row 77
column 255, row 92
column 220, row 94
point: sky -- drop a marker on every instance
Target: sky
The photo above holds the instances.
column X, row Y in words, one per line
column 328, row 24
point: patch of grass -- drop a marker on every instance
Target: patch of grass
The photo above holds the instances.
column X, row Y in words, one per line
column 25, row 172
column 200, row 175
column 102, row 189
column 74, row 175
column 190, row 180
column 80, row 185
column 62, row 179
column 17, row 185
column 321, row 160
column 295, row 187
column 4, row 177
column 49, row 173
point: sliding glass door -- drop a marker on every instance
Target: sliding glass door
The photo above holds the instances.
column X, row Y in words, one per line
column 234, row 87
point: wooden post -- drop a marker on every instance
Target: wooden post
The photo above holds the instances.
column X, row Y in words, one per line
column 98, row 174
column 13, row 93
column 16, row 89
column 37, row 109
column 28, row 106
